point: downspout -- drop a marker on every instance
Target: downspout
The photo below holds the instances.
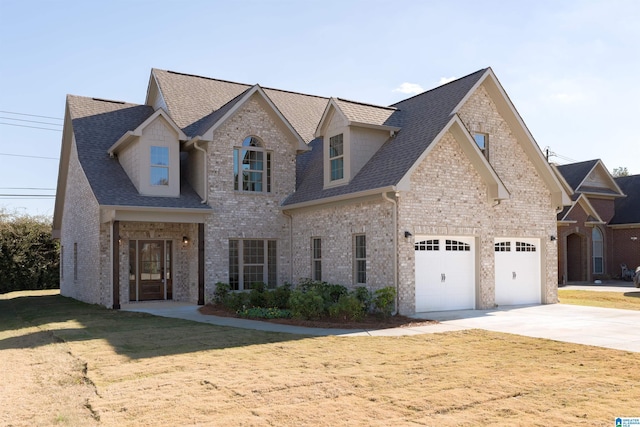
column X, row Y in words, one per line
column 395, row 245
column 290, row 245
column 205, row 172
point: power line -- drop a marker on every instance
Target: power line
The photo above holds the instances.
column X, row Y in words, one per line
column 31, row 157
column 27, row 196
column 27, row 188
column 33, row 127
column 31, row 115
column 31, row 121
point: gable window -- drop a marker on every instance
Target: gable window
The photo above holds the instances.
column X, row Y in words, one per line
column 252, row 261
column 597, row 242
column 360, row 259
column 336, row 157
column 252, row 167
column 316, row 259
column 159, row 165
column 482, row 139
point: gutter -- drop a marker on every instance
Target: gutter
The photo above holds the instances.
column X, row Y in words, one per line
column 395, row 244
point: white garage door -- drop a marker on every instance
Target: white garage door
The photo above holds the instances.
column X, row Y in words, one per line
column 517, row 264
column 445, row 273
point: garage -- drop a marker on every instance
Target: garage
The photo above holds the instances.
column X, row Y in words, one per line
column 445, row 273
column 517, row 271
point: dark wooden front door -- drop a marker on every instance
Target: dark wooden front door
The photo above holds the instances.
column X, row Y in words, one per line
column 150, row 270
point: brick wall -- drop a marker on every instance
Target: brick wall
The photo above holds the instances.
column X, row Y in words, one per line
column 625, row 249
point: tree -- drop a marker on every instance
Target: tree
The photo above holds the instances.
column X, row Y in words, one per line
column 29, row 257
column 621, row 171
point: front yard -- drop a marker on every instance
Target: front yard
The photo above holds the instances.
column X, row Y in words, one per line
column 625, row 300
column 68, row 363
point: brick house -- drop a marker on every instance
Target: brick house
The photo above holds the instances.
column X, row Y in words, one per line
column 600, row 230
column 445, row 195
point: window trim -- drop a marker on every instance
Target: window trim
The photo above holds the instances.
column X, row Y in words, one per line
column 269, row 270
column 316, row 259
column 266, row 173
column 485, row 136
column 159, row 166
column 359, row 260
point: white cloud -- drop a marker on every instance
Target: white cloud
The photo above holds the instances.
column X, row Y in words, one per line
column 409, row 88
column 445, row 80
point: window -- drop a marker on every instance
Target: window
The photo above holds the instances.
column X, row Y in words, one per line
column 482, row 139
column 159, row 165
column 316, row 259
column 360, row 259
column 75, row 261
column 252, row 167
column 503, row 247
column 525, row 247
column 252, row 261
column 336, row 157
column 427, row 245
column 454, row 245
column 597, row 242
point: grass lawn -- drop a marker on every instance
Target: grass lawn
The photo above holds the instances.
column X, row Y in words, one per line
column 625, row 300
column 68, row 363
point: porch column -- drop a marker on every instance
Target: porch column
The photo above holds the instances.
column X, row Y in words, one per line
column 200, row 264
column 115, row 257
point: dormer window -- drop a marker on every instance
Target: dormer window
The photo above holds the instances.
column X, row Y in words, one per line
column 159, row 165
column 252, row 167
column 482, row 139
column 336, row 157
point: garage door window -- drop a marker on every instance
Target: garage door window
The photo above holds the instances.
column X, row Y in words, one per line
column 525, row 247
column 454, row 245
column 503, row 247
column 428, row 245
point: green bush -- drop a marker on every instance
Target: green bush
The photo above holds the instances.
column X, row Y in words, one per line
column 383, row 300
column 279, row 297
column 236, row 301
column 221, row 292
column 264, row 313
column 257, row 296
column 347, row 308
column 306, row 305
column 329, row 293
column 365, row 297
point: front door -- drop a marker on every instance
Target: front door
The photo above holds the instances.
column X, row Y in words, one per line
column 151, row 270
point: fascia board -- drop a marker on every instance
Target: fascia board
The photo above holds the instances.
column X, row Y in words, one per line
column 130, row 136
column 192, row 141
column 338, row 199
column 630, row 225
column 331, row 108
column 63, row 170
column 372, row 126
column 153, row 214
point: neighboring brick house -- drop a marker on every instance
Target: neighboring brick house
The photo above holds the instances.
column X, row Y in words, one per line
column 445, row 195
column 600, row 231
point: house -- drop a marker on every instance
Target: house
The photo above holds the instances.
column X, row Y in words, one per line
column 599, row 231
column 445, row 195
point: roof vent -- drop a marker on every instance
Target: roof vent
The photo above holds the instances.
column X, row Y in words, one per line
column 108, row 100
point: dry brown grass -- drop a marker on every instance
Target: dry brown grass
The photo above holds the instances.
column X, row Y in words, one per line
column 624, row 300
column 144, row 370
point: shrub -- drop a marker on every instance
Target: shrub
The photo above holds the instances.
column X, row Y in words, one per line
column 236, row 301
column 383, row 300
column 264, row 313
column 347, row 308
column 221, row 292
column 257, row 297
column 364, row 296
column 329, row 293
column 306, row 305
column 280, row 296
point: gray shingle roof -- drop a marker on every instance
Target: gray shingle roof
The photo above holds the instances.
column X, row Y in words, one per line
column 370, row 114
column 423, row 117
column 627, row 209
column 192, row 102
column 97, row 125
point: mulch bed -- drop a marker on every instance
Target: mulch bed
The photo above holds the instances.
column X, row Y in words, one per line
column 371, row 321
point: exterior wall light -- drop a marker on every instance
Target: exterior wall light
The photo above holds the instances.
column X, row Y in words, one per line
column 407, row 234
column 185, row 240
column 553, row 238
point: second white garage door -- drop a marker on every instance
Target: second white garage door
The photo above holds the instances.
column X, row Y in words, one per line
column 445, row 273
column 517, row 271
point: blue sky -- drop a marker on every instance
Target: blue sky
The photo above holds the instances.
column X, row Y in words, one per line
column 570, row 67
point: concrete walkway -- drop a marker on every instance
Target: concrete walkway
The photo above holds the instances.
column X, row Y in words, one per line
column 602, row 327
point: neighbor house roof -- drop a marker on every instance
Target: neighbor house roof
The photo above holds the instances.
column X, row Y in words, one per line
column 97, row 125
column 627, row 209
column 422, row 117
column 575, row 173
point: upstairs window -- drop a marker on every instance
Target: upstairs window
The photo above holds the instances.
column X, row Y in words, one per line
column 482, row 139
column 159, row 165
column 252, row 167
column 336, row 157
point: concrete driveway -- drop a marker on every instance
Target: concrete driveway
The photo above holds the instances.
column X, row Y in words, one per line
column 602, row 327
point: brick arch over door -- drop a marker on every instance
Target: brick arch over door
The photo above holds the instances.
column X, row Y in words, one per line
column 576, row 258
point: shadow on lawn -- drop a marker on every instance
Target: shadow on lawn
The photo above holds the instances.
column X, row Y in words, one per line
column 135, row 335
column 632, row 294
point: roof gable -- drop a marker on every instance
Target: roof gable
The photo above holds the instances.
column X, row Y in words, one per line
column 128, row 136
column 362, row 115
column 583, row 202
column 590, row 177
